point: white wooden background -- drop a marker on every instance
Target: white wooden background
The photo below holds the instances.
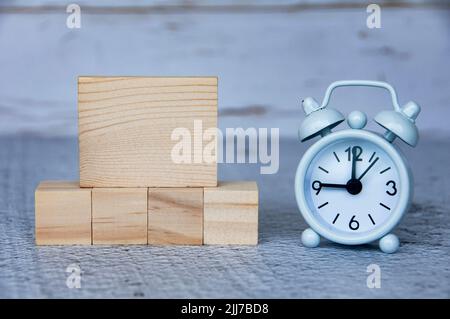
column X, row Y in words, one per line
column 268, row 54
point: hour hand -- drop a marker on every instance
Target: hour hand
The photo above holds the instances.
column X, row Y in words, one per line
column 317, row 186
column 333, row 185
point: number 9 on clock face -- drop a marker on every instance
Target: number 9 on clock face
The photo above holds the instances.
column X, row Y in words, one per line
column 352, row 189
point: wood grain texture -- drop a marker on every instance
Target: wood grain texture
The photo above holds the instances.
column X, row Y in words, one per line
column 175, row 216
column 125, row 126
column 62, row 213
column 119, row 215
column 231, row 214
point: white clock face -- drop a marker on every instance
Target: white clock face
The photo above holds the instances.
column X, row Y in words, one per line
column 352, row 186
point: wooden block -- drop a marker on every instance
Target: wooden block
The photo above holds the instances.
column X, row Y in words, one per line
column 175, row 216
column 231, row 214
column 62, row 214
column 125, row 128
column 119, row 215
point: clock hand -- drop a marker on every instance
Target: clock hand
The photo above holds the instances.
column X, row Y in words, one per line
column 353, row 186
column 333, row 185
column 353, row 163
column 317, row 186
column 368, row 168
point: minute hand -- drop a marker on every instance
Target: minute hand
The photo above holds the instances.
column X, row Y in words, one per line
column 368, row 168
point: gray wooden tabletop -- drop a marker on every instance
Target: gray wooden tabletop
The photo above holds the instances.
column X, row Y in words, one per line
column 279, row 267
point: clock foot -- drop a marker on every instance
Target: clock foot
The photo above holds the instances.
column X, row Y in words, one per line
column 310, row 238
column 389, row 244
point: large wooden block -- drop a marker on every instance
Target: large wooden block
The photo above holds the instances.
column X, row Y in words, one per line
column 126, row 126
column 119, row 215
column 62, row 213
column 175, row 216
column 231, row 214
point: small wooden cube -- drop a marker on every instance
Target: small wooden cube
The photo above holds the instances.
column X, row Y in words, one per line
column 132, row 130
column 119, row 215
column 62, row 214
column 175, row 216
column 231, row 214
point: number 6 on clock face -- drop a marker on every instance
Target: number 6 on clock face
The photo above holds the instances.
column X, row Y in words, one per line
column 352, row 186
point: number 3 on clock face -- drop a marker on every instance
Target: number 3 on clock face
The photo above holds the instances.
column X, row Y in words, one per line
column 353, row 188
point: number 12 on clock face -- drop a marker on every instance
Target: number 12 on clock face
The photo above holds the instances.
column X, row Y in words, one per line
column 352, row 186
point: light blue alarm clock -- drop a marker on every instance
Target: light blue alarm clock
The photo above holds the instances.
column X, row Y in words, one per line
column 353, row 186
